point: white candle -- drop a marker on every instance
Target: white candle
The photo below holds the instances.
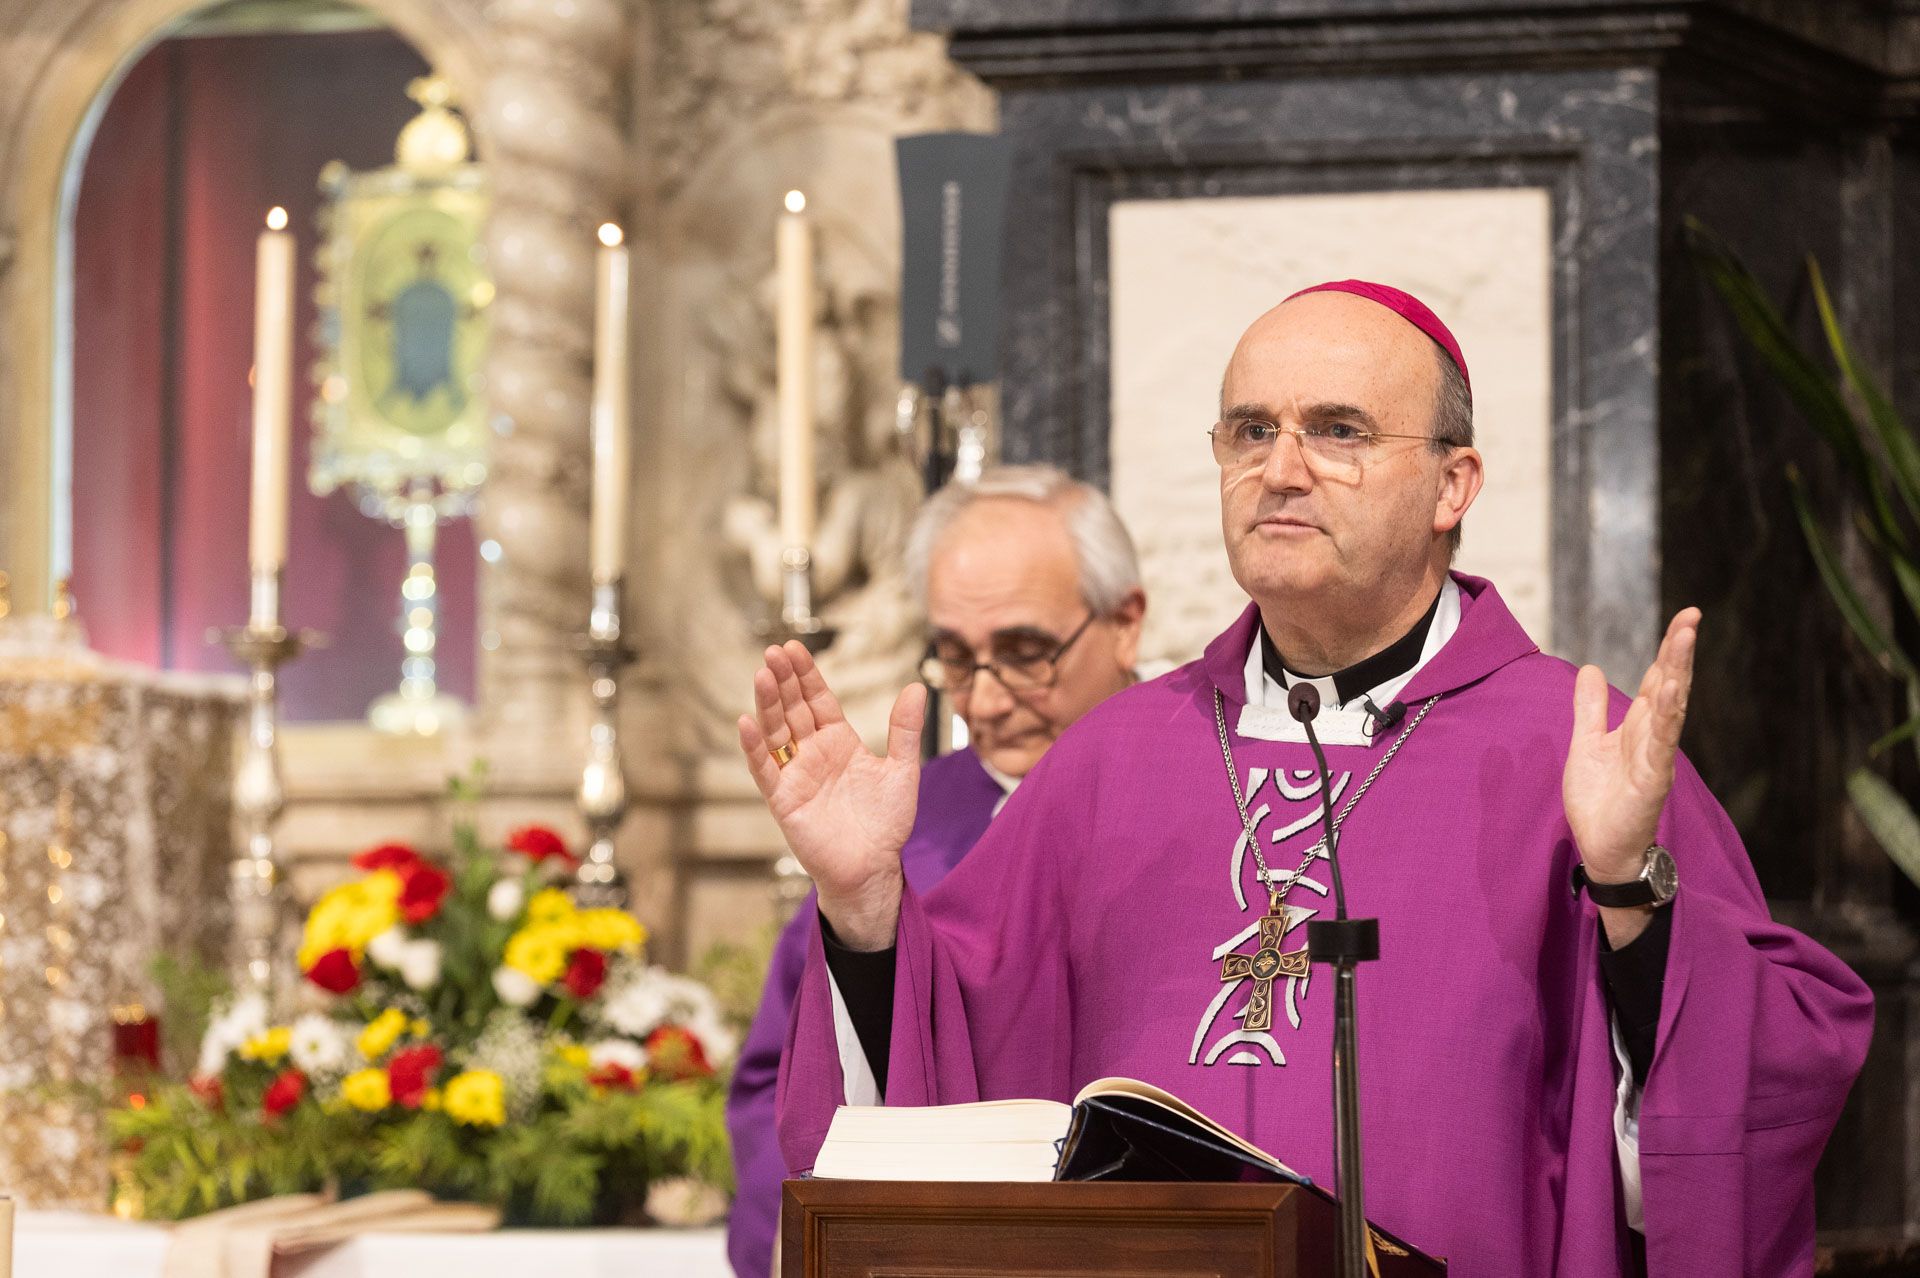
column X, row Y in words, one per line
column 272, row 395
column 607, row 542
column 793, row 268
column 6, row 1237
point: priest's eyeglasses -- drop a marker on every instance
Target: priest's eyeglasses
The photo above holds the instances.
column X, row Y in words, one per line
column 1025, row 659
column 1332, row 448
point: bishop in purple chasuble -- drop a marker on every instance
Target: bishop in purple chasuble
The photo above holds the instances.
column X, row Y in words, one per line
column 1087, row 935
column 957, row 799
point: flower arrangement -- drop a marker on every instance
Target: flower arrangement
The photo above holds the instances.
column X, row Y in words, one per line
column 473, row 1033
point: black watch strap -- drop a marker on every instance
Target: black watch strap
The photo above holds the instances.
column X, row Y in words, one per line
column 1614, row 896
column 1655, row 886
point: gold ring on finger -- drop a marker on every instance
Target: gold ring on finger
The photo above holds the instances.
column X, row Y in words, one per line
column 783, row 754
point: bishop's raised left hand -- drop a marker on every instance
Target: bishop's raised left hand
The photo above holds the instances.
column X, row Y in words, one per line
column 1617, row 782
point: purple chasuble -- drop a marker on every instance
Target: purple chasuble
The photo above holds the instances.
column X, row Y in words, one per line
column 956, row 802
column 1084, row 936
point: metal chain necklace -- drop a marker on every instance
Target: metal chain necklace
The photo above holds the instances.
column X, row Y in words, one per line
column 1270, row 962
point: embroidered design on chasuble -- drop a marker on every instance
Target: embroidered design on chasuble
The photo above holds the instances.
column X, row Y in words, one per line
column 1295, row 807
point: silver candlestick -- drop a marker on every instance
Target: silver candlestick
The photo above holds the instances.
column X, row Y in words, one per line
column 796, row 605
column 264, row 645
column 603, row 780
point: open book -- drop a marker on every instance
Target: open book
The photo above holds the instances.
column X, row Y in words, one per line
column 1116, row 1129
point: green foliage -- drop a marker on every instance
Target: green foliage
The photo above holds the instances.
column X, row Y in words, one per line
column 187, row 990
column 591, row 1155
column 1879, row 457
column 1889, row 817
column 188, row 1158
column 557, row 1111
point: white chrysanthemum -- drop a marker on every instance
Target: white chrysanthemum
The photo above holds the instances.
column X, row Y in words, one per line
column 420, row 964
column 389, row 949
column 625, row 1053
column 504, row 900
column 651, row 997
column 233, row 1025
column 515, row 988
column 319, row 1044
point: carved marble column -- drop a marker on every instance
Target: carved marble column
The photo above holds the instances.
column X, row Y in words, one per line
column 558, row 161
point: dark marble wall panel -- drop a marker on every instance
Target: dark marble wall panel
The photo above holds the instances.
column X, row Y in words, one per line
column 1906, row 274
column 1760, row 724
column 1547, row 30
column 1591, row 137
column 979, row 15
column 1784, row 702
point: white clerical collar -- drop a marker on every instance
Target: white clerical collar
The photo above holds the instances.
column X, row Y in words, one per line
column 1265, row 716
column 1006, row 783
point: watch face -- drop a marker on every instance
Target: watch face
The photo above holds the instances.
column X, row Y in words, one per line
column 1661, row 875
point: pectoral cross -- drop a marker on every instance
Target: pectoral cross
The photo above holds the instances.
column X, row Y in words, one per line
column 1265, row 965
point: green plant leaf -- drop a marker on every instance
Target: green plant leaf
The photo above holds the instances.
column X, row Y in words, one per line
column 1905, row 732
column 1889, row 818
column 1852, row 607
column 1902, row 452
column 1812, row 389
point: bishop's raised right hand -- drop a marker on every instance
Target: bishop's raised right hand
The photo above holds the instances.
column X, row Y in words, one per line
column 845, row 811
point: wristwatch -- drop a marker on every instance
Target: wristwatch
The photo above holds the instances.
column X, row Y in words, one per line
column 1656, row 885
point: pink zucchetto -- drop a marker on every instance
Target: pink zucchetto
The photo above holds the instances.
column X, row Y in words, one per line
column 1407, row 307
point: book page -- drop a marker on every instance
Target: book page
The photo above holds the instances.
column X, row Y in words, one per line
column 984, row 1140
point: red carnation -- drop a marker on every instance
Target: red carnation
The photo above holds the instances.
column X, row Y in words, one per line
column 388, row 856
column 208, row 1089
column 335, row 971
column 586, row 971
column 422, row 887
column 674, row 1053
column 538, row 843
column 410, row 1074
column 284, row 1093
column 613, row 1077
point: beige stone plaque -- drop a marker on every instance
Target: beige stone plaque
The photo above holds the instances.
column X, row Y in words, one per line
column 1188, row 275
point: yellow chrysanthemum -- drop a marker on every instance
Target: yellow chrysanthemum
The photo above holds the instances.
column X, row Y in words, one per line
column 381, row 1033
column 366, row 1089
column 268, row 1046
column 538, row 953
column 549, row 905
column 575, row 1055
column 610, row 929
column 420, row 1028
column 434, row 1101
column 351, row 915
column 477, row 1098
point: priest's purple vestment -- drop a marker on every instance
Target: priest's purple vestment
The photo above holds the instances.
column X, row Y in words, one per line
column 957, row 799
column 1084, row 937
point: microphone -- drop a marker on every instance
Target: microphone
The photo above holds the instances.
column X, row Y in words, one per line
column 1303, row 702
column 1378, row 720
column 1342, row 943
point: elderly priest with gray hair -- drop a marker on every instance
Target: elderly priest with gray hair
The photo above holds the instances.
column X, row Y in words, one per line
column 1587, row 1046
column 1032, row 595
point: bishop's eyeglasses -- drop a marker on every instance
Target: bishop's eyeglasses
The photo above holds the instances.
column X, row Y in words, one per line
column 1025, row 659
column 1333, row 449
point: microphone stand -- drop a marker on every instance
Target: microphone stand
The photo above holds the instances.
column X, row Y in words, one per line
column 1342, row 944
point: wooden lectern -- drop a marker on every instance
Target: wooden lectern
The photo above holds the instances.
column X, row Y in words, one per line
column 928, row 1229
